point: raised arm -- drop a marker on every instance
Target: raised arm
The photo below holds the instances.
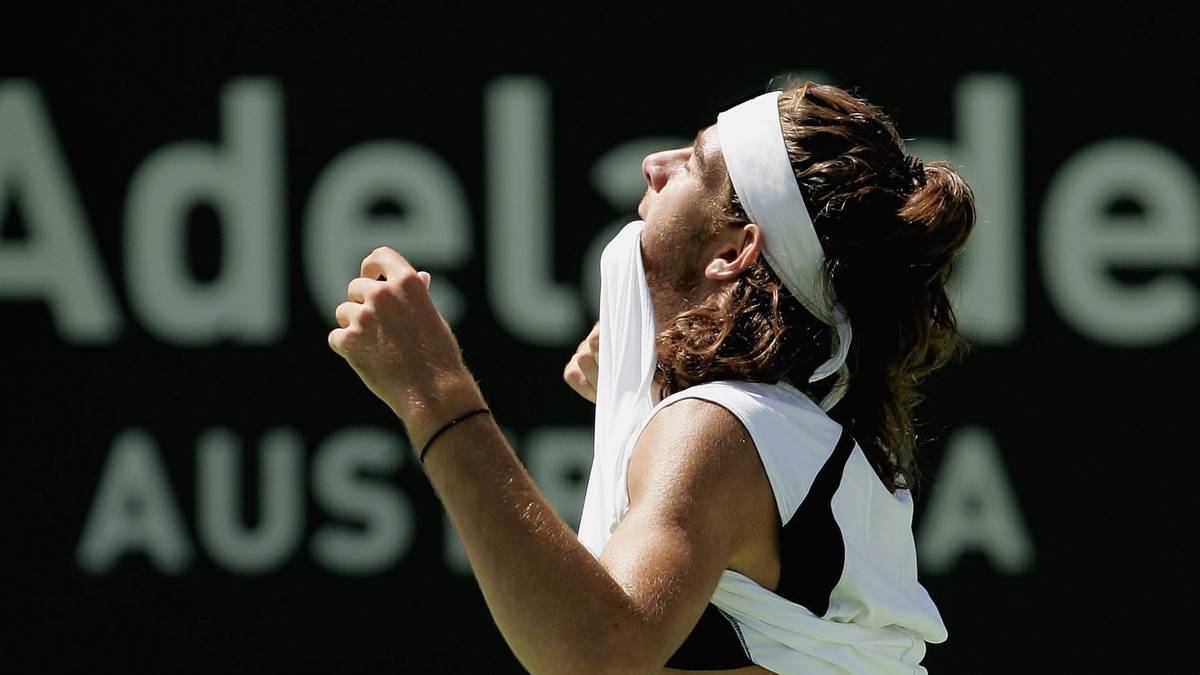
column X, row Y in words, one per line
column 698, row 492
column 695, row 485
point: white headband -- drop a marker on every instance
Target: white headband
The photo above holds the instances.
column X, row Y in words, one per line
column 751, row 140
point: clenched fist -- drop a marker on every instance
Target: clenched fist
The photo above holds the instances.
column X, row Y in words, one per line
column 582, row 371
column 403, row 350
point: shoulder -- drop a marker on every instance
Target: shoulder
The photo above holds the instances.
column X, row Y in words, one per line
column 792, row 435
column 711, row 422
column 775, row 415
column 694, row 447
column 694, row 426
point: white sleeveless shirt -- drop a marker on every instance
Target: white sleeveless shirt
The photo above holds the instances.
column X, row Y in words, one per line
column 848, row 600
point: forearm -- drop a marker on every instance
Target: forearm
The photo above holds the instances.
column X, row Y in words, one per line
column 558, row 608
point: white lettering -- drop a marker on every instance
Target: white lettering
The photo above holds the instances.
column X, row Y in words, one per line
column 280, row 497
column 988, row 285
column 134, row 511
column 973, row 509
column 1082, row 241
column 242, row 182
column 520, row 251
column 340, row 231
column 387, row 519
column 58, row 262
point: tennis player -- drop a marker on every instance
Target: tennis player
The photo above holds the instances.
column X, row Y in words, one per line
column 763, row 331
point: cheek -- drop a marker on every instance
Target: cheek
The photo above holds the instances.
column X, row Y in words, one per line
column 671, row 255
column 659, row 243
column 677, row 230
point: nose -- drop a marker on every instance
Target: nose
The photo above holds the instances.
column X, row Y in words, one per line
column 649, row 171
column 658, row 166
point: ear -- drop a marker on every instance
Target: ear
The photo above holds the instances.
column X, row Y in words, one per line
column 737, row 249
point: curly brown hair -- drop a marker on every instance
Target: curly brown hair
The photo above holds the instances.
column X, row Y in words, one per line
column 891, row 228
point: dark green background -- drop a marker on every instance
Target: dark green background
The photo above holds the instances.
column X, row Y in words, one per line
column 1097, row 440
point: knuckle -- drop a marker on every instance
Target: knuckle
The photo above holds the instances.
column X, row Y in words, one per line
column 408, row 277
column 374, row 292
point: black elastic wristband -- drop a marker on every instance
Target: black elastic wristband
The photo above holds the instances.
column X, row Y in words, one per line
column 456, row 420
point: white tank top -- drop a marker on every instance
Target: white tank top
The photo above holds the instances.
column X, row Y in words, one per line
column 848, row 599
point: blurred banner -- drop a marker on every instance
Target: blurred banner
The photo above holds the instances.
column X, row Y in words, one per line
column 196, row 483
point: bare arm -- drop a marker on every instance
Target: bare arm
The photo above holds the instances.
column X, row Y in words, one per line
column 558, row 607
